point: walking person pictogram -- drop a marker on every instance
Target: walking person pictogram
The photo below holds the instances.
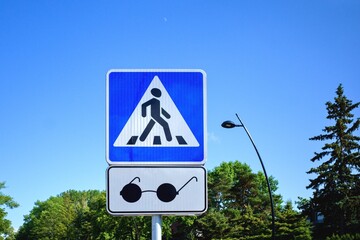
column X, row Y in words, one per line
column 155, row 111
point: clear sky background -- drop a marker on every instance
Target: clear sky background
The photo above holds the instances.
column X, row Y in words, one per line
column 275, row 63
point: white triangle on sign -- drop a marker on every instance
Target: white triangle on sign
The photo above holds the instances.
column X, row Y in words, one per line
column 181, row 134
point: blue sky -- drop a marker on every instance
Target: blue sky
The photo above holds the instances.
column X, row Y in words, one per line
column 275, row 63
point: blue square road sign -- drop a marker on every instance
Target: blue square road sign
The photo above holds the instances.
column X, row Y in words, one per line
column 156, row 117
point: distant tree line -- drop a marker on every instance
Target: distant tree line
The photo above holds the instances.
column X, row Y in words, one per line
column 239, row 208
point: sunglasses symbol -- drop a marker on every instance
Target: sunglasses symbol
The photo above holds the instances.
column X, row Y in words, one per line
column 166, row 192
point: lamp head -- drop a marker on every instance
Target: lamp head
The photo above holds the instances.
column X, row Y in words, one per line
column 228, row 124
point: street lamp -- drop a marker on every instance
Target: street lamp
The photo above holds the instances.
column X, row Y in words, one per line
column 230, row 124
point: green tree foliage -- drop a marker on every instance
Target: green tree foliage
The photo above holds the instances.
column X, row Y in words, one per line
column 337, row 184
column 80, row 215
column 239, row 200
column 291, row 224
column 6, row 231
column 239, row 207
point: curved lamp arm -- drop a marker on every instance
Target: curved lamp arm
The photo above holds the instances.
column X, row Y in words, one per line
column 230, row 124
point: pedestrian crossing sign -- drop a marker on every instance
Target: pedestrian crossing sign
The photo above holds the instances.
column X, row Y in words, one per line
column 156, row 117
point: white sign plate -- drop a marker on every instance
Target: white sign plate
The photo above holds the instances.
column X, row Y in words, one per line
column 156, row 190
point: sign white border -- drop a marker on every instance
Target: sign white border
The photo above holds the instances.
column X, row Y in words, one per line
column 162, row 163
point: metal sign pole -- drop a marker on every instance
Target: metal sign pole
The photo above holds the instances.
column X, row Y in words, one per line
column 156, row 227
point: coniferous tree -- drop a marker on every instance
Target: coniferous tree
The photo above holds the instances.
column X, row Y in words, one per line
column 336, row 185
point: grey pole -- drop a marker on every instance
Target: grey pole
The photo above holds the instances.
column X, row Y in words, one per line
column 266, row 177
column 156, row 227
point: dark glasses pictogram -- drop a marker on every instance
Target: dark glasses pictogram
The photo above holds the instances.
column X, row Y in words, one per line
column 166, row 192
